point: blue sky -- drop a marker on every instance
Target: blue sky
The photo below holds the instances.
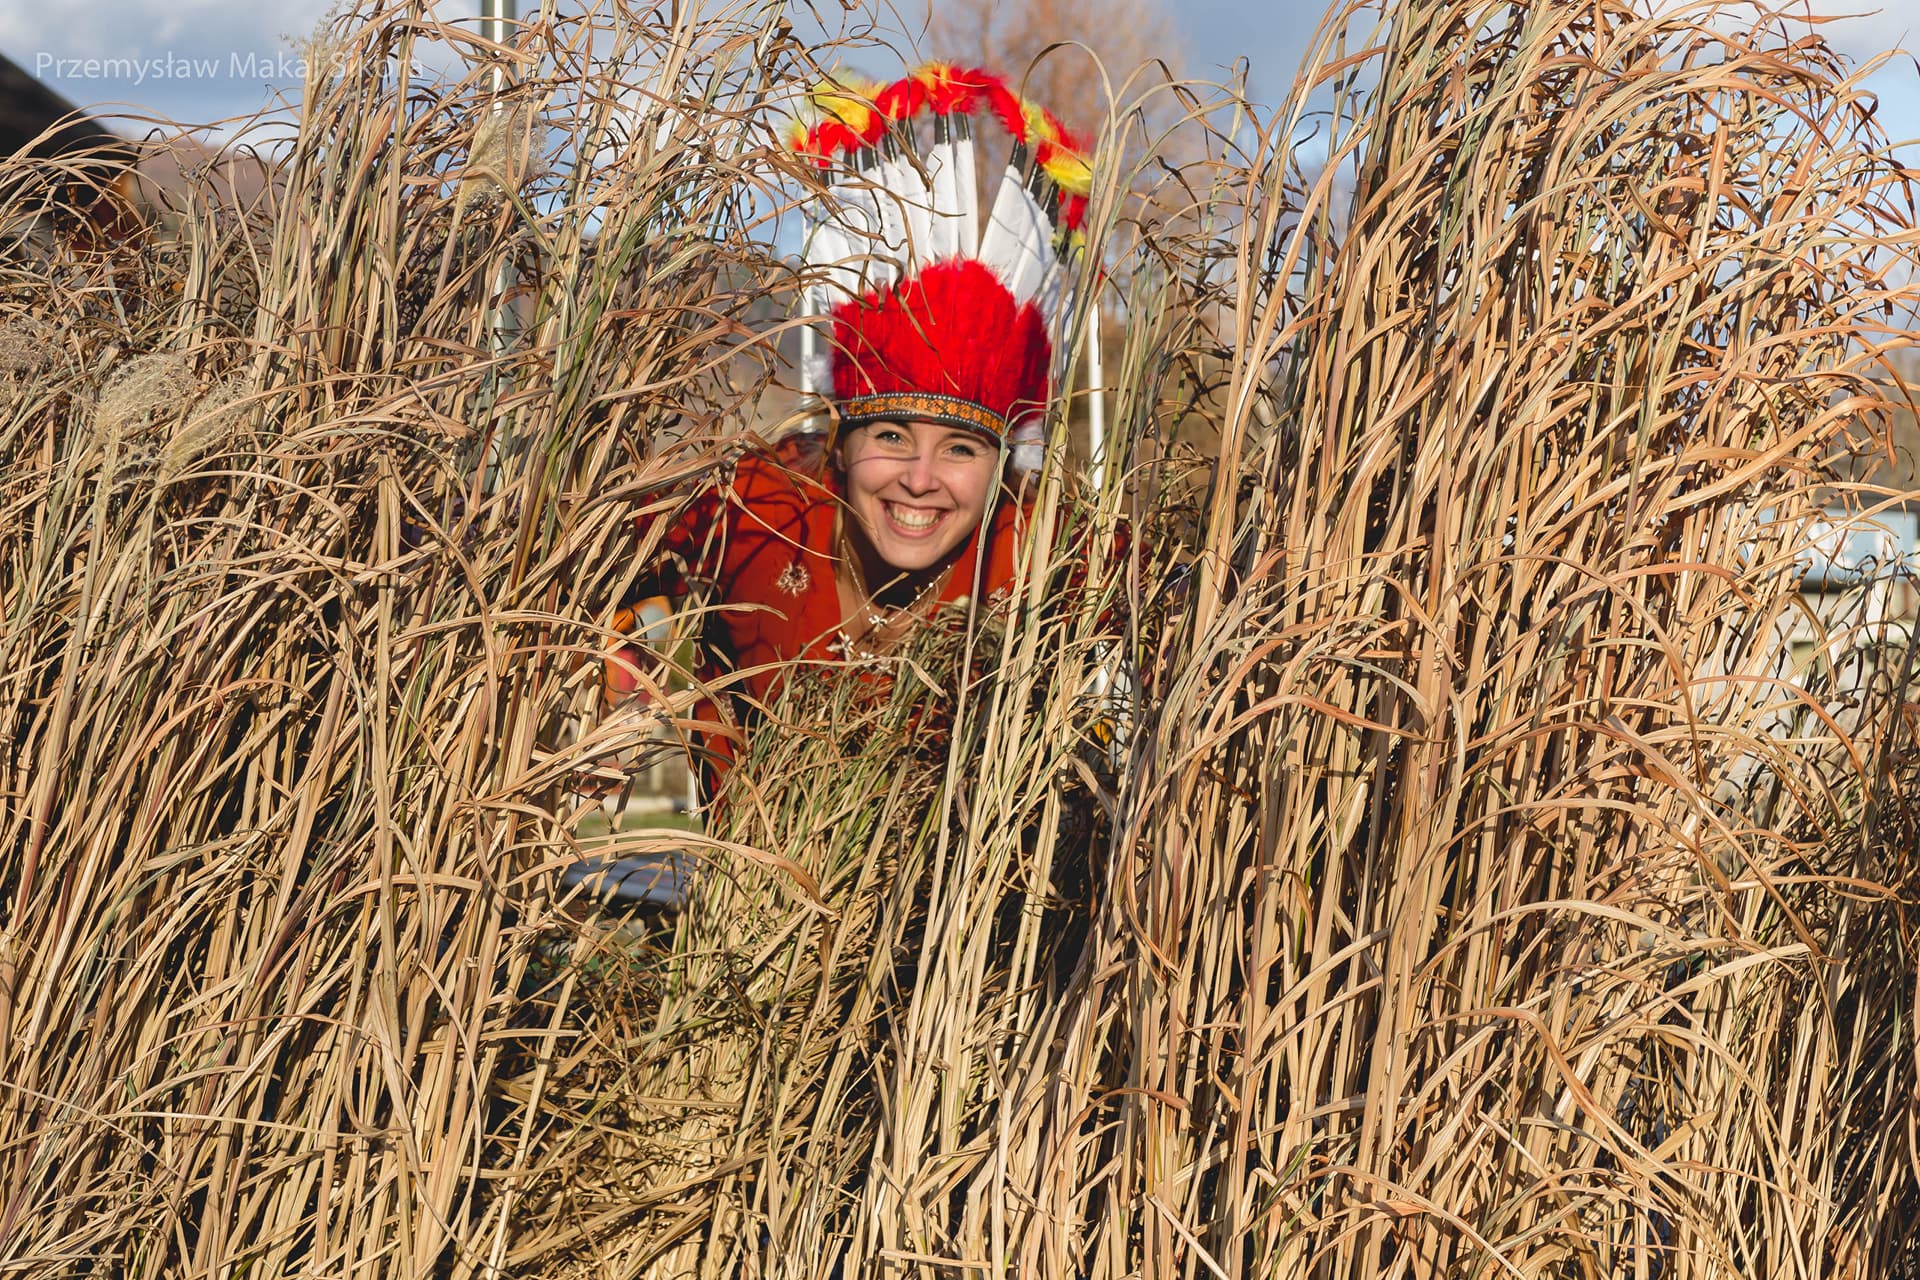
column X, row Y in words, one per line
column 197, row 60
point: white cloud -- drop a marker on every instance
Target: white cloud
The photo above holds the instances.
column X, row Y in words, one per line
column 1857, row 28
column 1872, row 33
column 143, row 28
column 237, row 36
column 189, row 60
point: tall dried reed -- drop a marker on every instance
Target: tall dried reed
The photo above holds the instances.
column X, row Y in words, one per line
column 1394, row 831
column 311, row 510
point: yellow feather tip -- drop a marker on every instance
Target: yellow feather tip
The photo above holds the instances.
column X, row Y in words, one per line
column 1039, row 128
column 847, row 99
column 1070, row 170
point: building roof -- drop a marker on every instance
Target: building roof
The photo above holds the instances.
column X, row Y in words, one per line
column 30, row 112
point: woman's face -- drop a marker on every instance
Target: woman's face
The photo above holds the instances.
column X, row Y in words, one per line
column 918, row 489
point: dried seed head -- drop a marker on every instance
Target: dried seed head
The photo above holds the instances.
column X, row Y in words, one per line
column 144, row 390
column 500, row 155
column 216, row 420
column 27, row 345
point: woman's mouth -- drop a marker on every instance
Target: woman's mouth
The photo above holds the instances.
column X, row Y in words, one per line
column 913, row 522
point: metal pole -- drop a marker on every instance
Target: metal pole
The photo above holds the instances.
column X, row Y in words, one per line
column 497, row 18
column 1096, row 407
column 1097, row 479
column 496, row 23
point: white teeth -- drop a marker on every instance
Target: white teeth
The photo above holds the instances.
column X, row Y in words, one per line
column 908, row 519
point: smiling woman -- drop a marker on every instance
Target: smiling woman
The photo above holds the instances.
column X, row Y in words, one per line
column 824, row 559
column 825, row 562
column 915, row 491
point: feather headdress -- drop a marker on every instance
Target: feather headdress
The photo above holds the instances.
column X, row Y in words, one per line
column 933, row 315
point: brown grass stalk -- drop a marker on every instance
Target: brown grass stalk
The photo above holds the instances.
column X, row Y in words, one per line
column 1401, row 829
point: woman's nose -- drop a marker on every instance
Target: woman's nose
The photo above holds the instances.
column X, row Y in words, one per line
column 919, row 476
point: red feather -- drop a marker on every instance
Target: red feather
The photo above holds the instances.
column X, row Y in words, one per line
column 1073, row 211
column 952, row 330
column 953, row 93
column 1067, row 138
column 901, row 100
column 1005, row 104
column 829, row 138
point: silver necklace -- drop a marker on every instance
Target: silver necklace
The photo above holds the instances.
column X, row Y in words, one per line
column 881, row 618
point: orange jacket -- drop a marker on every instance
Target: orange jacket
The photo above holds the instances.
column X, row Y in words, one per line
column 762, row 543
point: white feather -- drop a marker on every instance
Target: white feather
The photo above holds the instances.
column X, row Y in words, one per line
column 816, row 374
column 906, row 214
column 830, row 259
column 1027, row 446
column 854, row 210
column 1018, row 242
column 1052, row 295
column 956, row 201
column 966, row 175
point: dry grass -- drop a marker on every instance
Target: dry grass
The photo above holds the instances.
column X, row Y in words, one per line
column 1408, row 852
